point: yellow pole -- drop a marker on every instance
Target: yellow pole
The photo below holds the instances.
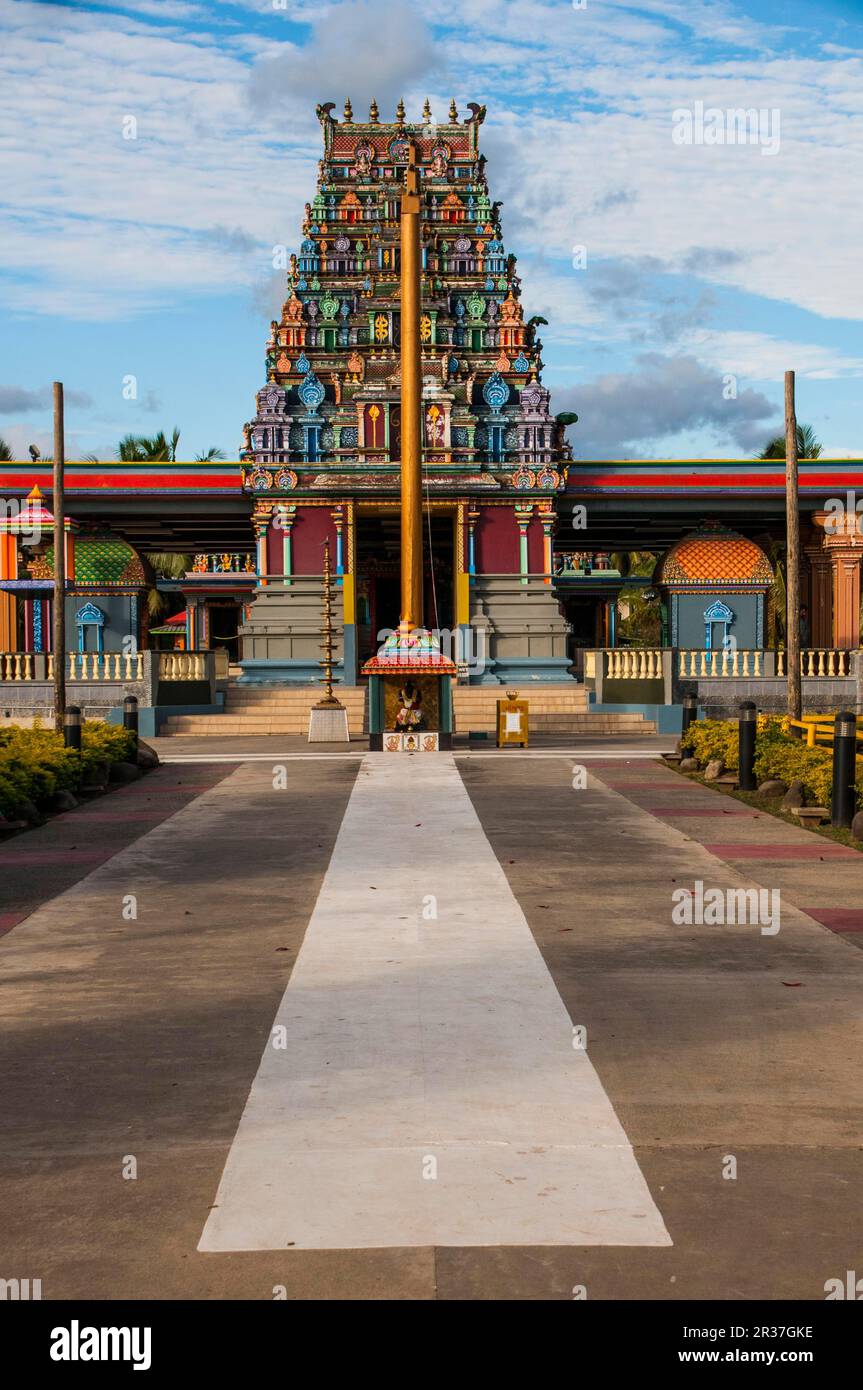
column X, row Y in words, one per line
column 411, row 402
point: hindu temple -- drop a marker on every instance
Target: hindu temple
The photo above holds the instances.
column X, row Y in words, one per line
column 323, row 451
column 519, row 566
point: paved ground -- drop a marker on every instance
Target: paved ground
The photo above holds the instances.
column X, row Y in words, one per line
column 139, row 1037
column 270, row 745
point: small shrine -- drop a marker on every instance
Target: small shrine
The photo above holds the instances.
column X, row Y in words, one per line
column 106, row 581
column 410, row 696
column 713, row 585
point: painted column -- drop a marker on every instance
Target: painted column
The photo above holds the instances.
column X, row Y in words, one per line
column 338, row 516
column 846, row 598
column 191, row 624
column 523, row 516
column 472, row 519
column 261, row 527
column 842, row 547
column 547, row 519
column 8, row 570
column 69, row 541
column 287, row 517
column 820, row 597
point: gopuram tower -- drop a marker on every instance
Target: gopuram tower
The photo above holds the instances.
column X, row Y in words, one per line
column 322, row 455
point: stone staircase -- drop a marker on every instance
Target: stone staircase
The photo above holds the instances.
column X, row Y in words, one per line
column 269, row 709
column 555, row 711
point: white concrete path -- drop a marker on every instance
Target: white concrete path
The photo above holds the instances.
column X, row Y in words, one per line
column 428, row 1093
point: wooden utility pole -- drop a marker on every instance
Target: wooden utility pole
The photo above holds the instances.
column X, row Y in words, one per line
column 58, row 506
column 792, row 554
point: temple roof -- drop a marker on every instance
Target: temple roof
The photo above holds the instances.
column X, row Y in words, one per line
column 713, row 554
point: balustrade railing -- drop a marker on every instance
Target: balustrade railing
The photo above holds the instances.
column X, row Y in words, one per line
column 182, row 666
column 16, row 666
column 733, row 662
column 105, row 666
column 633, row 663
column 80, row 666
column 818, row 661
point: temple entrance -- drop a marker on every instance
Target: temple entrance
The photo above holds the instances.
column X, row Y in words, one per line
column 224, row 622
column 378, row 575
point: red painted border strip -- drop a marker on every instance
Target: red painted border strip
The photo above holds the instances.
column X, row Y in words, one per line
column 671, row 811
column 8, row 920
column 826, row 850
column 23, row 857
column 838, row 919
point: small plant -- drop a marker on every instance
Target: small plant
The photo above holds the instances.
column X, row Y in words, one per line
column 777, row 755
column 35, row 763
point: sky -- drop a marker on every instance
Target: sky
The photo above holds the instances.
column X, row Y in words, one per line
column 680, row 277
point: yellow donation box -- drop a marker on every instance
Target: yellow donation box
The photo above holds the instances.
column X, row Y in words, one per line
column 512, row 720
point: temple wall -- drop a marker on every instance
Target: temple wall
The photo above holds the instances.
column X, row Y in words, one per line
column 282, row 637
column 497, row 548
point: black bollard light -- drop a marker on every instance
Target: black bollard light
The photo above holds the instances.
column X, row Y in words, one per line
column 844, row 769
column 690, row 711
column 130, row 714
column 746, row 747
column 72, row 727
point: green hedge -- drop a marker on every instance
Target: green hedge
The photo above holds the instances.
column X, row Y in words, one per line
column 777, row 754
column 35, row 763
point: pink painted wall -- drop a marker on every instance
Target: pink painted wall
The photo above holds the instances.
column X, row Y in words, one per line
column 312, row 526
column 497, row 541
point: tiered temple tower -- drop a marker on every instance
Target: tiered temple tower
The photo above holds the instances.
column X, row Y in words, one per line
column 322, row 453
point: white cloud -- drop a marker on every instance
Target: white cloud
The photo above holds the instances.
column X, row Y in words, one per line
column 761, row 357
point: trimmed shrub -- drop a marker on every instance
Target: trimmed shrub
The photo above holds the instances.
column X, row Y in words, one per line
column 707, row 739
column 35, row 763
column 777, row 754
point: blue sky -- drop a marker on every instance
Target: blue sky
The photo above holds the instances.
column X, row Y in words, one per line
column 152, row 257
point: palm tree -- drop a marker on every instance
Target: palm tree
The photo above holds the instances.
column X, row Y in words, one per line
column 165, row 565
column 210, row 456
column 138, row 448
column 5, row 451
column 808, row 446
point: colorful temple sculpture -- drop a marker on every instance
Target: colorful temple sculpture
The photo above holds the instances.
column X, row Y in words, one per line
column 322, row 454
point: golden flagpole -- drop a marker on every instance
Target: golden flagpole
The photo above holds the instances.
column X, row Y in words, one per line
column 411, row 402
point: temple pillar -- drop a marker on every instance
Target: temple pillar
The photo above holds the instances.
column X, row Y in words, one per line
column 8, row 608
column 842, row 550
column 846, row 598
column 820, row 597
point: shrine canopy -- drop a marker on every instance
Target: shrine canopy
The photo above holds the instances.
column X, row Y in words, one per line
column 32, row 517
column 415, row 651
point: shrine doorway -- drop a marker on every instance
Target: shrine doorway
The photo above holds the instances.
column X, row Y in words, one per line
column 378, row 574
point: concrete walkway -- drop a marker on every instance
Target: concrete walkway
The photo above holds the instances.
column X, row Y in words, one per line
column 421, row 1086
column 824, row 879
column 139, row 1037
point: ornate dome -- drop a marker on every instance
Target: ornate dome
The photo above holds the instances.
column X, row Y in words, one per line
column 713, row 556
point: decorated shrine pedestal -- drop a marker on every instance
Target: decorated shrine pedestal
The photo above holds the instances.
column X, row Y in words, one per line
column 410, row 696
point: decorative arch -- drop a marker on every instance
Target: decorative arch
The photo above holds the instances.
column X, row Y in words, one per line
column 89, row 616
column 718, row 613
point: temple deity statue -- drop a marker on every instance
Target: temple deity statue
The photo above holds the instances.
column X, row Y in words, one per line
column 410, row 707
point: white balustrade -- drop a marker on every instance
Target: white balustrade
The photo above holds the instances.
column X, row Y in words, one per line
column 729, row 663
column 16, row 666
column 633, row 663
column 819, row 662
column 182, row 666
